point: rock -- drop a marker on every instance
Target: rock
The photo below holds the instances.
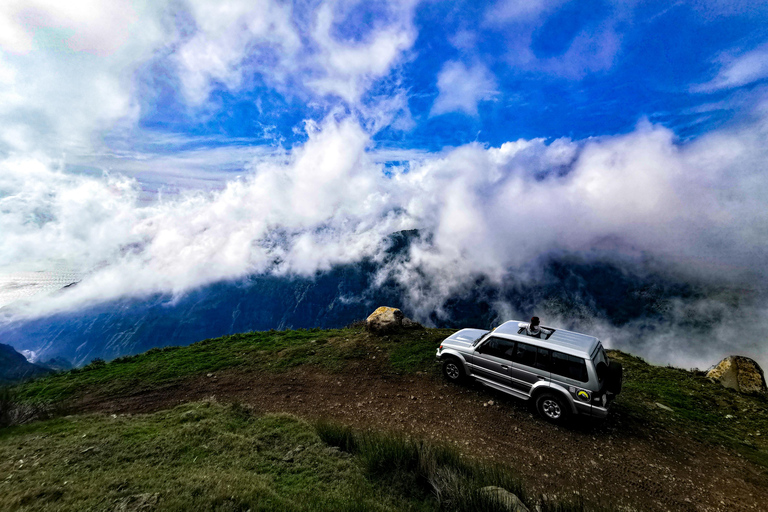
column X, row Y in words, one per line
column 664, row 407
column 410, row 324
column 384, row 319
column 505, row 498
column 739, row 373
column 292, row 454
column 138, row 503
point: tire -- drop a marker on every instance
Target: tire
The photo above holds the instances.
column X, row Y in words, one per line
column 553, row 408
column 615, row 376
column 453, row 370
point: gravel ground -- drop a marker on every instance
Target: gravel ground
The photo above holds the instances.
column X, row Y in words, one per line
column 622, row 465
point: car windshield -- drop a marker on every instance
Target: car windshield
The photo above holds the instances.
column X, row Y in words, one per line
column 482, row 336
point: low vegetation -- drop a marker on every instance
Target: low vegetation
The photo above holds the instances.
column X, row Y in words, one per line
column 201, row 456
column 690, row 404
column 209, row 456
column 269, row 351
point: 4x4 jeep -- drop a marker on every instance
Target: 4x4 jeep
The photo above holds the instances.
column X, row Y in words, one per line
column 563, row 372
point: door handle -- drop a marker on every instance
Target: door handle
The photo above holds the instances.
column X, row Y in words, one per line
column 504, row 367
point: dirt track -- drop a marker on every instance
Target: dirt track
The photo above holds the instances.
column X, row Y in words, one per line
column 613, row 464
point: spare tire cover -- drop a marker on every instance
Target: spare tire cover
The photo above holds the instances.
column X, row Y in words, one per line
column 615, row 375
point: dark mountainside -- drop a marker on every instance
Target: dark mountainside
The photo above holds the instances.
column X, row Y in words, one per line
column 568, row 287
column 15, row 367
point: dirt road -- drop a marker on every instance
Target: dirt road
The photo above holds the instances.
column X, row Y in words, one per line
column 615, row 464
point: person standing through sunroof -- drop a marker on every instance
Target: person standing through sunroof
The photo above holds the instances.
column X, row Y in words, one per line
column 533, row 328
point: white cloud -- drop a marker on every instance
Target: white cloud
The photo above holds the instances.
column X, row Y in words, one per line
column 697, row 209
column 80, row 25
column 347, row 70
column 592, row 49
column 245, row 38
column 228, row 33
column 461, row 88
column 506, row 11
column 745, row 69
column 66, row 69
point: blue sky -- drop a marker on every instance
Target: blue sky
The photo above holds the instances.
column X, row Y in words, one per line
column 558, row 69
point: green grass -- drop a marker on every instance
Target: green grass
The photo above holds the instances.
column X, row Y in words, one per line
column 699, row 407
column 202, row 456
column 269, row 351
column 434, row 474
column 209, row 456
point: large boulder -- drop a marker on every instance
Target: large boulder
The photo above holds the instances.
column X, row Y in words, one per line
column 739, row 373
column 384, row 319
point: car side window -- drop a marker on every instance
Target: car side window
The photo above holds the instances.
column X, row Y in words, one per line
column 569, row 366
column 525, row 354
column 542, row 359
column 498, row 347
column 506, row 349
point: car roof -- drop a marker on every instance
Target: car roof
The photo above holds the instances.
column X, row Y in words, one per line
column 572, row 343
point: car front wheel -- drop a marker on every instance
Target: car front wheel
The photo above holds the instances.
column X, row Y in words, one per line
column 453, row 370
column 552, row 407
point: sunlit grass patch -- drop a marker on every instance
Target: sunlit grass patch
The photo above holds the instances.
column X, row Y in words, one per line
column 201, row 456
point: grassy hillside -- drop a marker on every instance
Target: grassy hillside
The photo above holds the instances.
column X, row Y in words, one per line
column 221, row 457
column 269, row 351
column 209, row 456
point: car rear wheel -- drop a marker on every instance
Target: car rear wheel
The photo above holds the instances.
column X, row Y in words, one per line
column 552, row 407
column 453, row 370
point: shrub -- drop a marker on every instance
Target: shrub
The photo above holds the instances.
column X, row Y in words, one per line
column 94, row 364
column 6, row 402
column 409, row 466
column 335, row 434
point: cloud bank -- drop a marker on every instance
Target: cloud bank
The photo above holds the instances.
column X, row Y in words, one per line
column 696, row 208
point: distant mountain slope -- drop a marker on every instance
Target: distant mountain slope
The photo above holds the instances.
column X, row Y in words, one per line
column 567, row 288
column 14, row 367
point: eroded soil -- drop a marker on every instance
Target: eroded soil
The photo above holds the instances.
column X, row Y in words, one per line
column 617, row 464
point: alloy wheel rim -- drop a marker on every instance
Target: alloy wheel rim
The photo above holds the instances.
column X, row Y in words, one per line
column 551, row 409
column 452, row 371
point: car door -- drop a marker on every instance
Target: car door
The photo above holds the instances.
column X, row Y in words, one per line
column 529, row 365
column 492, row 360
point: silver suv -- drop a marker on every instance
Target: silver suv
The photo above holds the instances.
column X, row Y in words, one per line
column 565, row 373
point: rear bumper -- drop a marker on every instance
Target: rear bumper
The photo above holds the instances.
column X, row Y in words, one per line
column 594, row 411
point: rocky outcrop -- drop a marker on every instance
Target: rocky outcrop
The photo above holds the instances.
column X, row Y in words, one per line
column 411, row 324
column 503, row 497
column 739, row 373
column 384, row 319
